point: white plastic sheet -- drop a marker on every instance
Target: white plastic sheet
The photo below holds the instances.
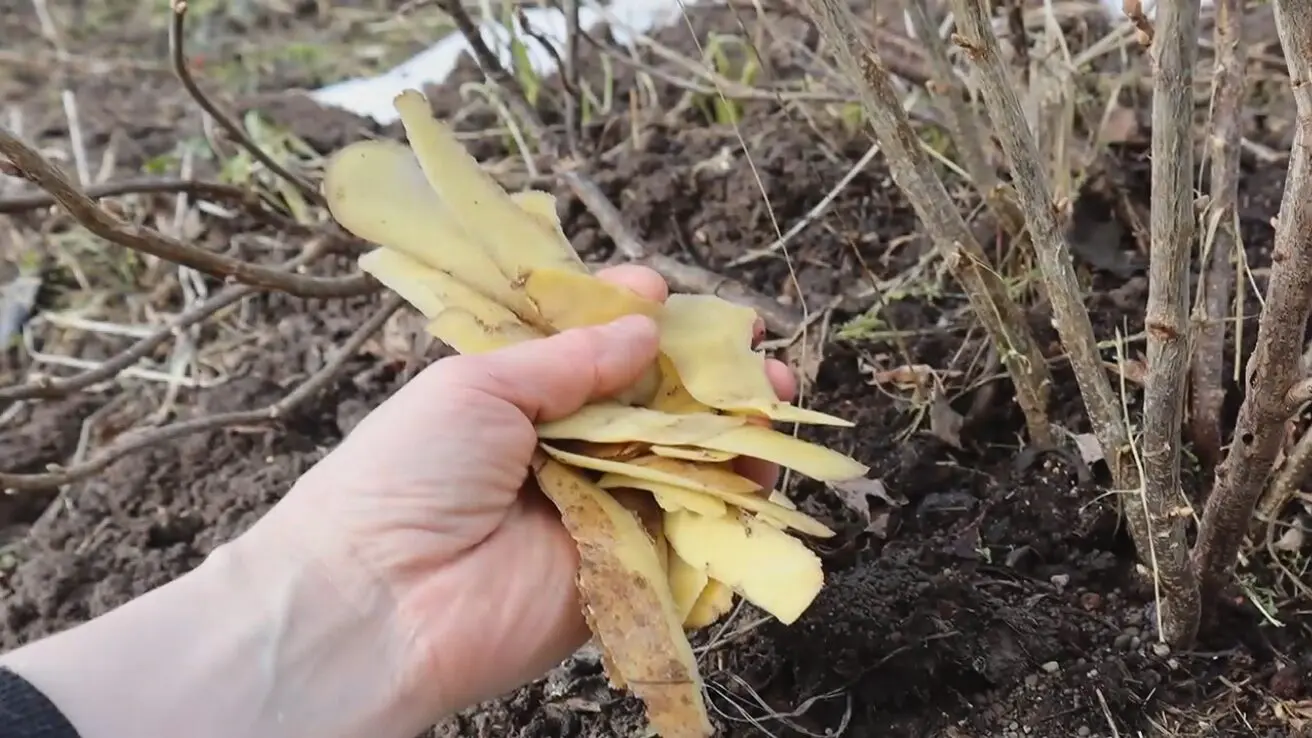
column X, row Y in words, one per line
column 372, row 96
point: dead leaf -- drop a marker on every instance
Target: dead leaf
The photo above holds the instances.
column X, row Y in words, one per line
column 1120, row 126
column 856, row 494
column 945, row 423
column 910, row 377
column 17, row 299
column 402, row 338
column 1292, row 540
column 1089, row 447
column 1135, row 371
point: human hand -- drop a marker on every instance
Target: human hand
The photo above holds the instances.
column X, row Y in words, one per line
column 429, row 501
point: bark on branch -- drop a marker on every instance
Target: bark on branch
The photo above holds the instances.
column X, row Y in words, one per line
column 998, row 88
column 1157, row 532
column 914, row 174
column 1222, row 235
column 1174, row 51
column 962, row 121
column 30, row 165
column 1275, row 366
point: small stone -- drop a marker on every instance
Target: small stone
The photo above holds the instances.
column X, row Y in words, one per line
column 1091, row 601
column 1287, row 683
column 1083, row 731
column 1136, row 642
column 1161, row 650
column 1051, row 667
column 1122, row 642
column 1060, row 581
column 1132, row 630
column 1032, row 681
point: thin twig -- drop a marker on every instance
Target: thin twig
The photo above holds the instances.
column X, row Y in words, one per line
column 178, row 57
column 1275, row 366
column 48, row 388
column 214, row 190
column 998, row 88
column 778, row 318
column 260, row 416
column 1221, row 237
column 814, row 213
column 1143, row 27
column 1167, row 321
column 915, row 176
column 573, row 91
column 962, row 122
column 29, row 164
column 1288, row 481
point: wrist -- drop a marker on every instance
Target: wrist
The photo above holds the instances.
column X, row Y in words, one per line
column 259, row 640
column 334, row 659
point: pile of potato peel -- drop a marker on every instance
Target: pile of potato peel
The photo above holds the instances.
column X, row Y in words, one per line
column 667, row 531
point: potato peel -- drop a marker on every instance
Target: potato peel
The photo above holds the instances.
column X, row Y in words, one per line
column 719, row 367
column 624, row 588
column 667, row 531
column 768, row 567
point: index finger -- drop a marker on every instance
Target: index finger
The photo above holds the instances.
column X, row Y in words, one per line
column 642, row 280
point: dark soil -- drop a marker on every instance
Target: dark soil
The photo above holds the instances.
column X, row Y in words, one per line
column 998, row 600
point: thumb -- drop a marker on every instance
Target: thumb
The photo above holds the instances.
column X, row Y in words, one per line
column 552, row 377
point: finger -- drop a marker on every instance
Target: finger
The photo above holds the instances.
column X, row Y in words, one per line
column 782, row 379
column 762, row 472
column 550, row 378
column 642, row 280
column 758, row 332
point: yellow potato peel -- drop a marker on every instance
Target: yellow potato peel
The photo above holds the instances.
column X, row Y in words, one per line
column 668, row 496
column 705, row 456
column 610, row 422
column 768, row 567
column 673, row 498
column 622, row 585
column 667, row 531
column 719, row 368
column 686, row 585
column 714, row 602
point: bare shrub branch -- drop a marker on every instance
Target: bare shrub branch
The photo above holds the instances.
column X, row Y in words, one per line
column 48, row 388
column 1275, row 366
column 998, row 88
column 962, row 121
column 1288, row 482
column 32, row 166
column 260, row 416
column 178, row 58
column 217, row 190
column 1174, row 52
column 914, row 174
column 1221, row 237
column 778, row 318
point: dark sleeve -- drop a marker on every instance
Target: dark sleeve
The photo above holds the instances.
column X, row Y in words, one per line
column 26, row 713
